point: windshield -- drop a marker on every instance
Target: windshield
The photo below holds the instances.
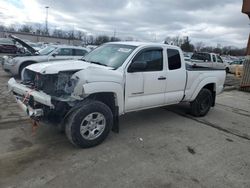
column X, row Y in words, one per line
column 111, row 55
column 47, row 50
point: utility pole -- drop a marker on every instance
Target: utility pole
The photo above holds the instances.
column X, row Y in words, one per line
column 46, row 20
column 245, row 82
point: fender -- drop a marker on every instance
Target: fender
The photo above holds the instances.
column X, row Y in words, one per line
column 208, row 80
column 98, row 87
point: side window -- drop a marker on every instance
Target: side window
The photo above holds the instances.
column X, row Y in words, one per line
column 65, row 52
column 153, row 59
column 214, row 58
column 79, row 52
column 219, row 60
column 174, row 59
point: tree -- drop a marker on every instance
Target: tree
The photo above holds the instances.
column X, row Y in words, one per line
column 187, row 46
column 199, row 46
column 101, row 39
column 57, row 33
column 114, row 39
column 26, row 29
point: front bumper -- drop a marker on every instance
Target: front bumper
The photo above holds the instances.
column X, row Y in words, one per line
column 32, row 113
column 22, row 90
column 26, row 97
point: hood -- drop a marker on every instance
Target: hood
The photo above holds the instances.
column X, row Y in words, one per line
column 60, row 66
column 24, row 44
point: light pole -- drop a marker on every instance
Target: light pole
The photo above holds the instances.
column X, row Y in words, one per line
column 46, row 20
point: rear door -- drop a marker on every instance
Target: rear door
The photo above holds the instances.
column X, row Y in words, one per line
column 176, row 77
column 220, row 64
column 79, row 53
column 146, row 88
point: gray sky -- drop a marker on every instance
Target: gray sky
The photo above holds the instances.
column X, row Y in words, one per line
column 213, row 22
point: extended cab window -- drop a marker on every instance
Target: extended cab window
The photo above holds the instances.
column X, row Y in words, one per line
column 65, row 52
column 79, row 52
column 219, row 60
column 174, row 59
column 152, row 58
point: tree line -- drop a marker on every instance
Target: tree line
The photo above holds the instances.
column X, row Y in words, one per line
column 183, row 42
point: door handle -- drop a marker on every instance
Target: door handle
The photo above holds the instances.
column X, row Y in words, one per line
column 162, row 78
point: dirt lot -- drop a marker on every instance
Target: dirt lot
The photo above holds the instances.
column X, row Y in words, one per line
column 164, row 147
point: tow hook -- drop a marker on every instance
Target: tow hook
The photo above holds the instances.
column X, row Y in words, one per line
column 34, row 126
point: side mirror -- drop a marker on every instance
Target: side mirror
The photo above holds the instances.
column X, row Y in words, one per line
column 137, row 66
column 55, row 54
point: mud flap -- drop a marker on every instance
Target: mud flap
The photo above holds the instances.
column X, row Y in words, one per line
column 115, row 127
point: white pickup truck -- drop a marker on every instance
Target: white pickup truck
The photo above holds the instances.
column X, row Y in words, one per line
column 206, row 59
column 86, row 97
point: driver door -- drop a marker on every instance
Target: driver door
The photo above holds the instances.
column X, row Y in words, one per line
column 145, row 88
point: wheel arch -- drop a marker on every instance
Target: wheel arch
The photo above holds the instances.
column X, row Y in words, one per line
column 24, row 64
column 209, row 84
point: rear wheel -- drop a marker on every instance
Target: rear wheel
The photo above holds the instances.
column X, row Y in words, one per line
column 90, row 125
column 202, row 103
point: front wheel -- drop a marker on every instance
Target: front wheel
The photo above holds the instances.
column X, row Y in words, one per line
column 89, row 125
column 202, row 103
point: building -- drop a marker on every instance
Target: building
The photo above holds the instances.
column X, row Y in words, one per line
column 40, row 38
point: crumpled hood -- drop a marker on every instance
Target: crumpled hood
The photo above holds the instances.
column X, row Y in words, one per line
column 60, row 66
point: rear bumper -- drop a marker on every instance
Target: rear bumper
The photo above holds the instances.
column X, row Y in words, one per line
column 22, row 90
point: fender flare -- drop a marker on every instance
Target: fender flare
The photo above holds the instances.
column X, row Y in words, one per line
column 99, row 87
column 202, row 84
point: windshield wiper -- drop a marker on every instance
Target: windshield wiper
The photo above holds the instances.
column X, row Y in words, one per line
column 98, row 63
column 94, row 62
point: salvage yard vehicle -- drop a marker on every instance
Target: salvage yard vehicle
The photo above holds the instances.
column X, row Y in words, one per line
column 15, row 65
column 205, row 59
column 8, row 46
column 233, row 65
column 86, row 97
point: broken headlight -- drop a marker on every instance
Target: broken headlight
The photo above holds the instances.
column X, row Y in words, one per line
column 70, row 86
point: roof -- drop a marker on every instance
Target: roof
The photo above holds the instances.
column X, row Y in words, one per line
column 67, row 46
column 139, row 44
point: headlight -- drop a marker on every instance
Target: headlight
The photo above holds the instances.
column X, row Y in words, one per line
column 70, row 86
column 12, row 61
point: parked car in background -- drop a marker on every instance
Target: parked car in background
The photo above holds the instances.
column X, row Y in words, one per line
column 233, row 65
column 212, row 60
column 187, row 55
column 8, row 46
column 15, row 65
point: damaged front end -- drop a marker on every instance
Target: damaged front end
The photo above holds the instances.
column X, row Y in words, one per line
column 46, row 97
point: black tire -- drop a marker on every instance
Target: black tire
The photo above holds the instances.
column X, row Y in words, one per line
column 227, row 70
column 73, row 123
column 202, row 103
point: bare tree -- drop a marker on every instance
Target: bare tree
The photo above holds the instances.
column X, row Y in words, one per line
column 26, row 29
column 199, row 46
